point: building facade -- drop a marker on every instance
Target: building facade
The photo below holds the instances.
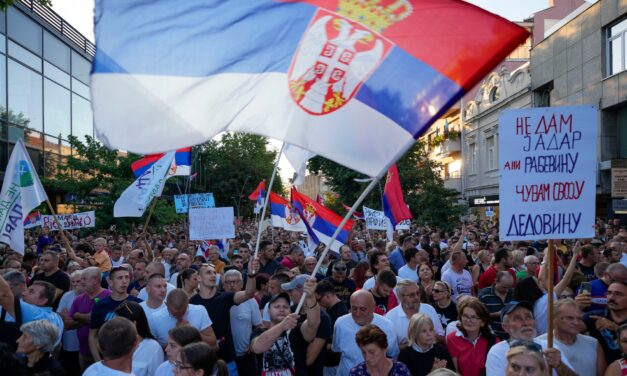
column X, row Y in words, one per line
column 583, row 60
column 44, row 85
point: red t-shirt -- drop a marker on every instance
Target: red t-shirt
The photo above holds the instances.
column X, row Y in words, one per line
column 471, row 357
column 488, row 277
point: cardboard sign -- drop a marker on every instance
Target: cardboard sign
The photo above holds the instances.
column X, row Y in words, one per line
column 195, row 200
column 211, row 223
column 70, row 221
column 375, row 219
column 547, row 160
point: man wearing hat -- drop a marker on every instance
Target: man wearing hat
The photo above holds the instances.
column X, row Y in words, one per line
column 309, row 355
column 518, row 321
column 286, row 340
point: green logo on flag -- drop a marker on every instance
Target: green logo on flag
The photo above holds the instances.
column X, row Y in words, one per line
column 26, row 177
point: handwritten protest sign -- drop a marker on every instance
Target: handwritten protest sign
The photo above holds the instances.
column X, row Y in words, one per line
column 403, row 225
column 375, row 219
column 195, row 200
column 70, row 221
column 547, row 160
column 211, row 223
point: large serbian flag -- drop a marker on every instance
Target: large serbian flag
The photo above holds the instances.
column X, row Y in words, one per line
column 321, row 221
column 182, row 164
column 355, row 81
column 283, row 214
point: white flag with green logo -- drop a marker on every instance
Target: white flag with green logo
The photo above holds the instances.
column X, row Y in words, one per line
column 21, row 193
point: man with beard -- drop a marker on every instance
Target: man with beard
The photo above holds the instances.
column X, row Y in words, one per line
column 502, row 261
column 602, row 325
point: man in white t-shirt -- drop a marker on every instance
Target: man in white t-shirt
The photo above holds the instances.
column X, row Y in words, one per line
column 362, row 313
column 178, row 311
column 457, row 277
column 409, row 295
column 410, row 269
column 568, row 318
column 156, row 291
column 117, row 339
column 155, row 267
column 518, row 322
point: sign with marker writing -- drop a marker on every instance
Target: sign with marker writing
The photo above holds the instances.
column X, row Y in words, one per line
column 375, row 219
column 70, row 221
column 547, row 161
column 211, row 223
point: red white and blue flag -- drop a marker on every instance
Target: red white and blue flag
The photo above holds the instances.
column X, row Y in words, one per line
column 259, row 194
column 329, row 76
column 32, row 220
column 356, row 215
column 321, row 222
column 394, row 205
column 182, row 164
column 283, row 214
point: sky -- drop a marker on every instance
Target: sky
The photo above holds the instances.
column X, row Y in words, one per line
column 80, row 15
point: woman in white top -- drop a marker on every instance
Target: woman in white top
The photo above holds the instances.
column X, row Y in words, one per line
column 177, row 338
column 531, row 290
column 148, row 355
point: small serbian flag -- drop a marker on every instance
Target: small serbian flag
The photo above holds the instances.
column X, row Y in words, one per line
column 393, row 203
column 259, row 192
column 182, row 164
column 283, row 214
column 33, row 220
column 356, row 215
column 321, row 222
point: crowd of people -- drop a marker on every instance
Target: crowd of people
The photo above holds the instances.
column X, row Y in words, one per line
column 430, row 302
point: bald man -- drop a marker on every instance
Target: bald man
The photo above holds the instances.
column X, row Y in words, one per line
column 361, row 313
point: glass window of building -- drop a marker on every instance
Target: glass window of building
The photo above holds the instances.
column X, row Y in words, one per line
column 56, row 74
column 3, row 85
column 56, row 51
column 24, row 30
column 80, row 67
column 3, row 47
column 25, row 56
column 80, row 88
column 3, row 24
column 472, row 150
column 616, row 47
column 82, row 121
column 25, row 96
column 57, row 121
column 491, row 146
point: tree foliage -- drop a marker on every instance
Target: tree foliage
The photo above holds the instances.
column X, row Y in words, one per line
column 7, row 3
column 429, row 201
column 232, row 167
column 95, row 177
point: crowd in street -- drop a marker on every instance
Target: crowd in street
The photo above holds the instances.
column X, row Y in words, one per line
column 430, row 302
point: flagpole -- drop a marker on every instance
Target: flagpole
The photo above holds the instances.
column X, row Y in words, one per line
column 265, row 203
column 56, row 220
column 152, row 208
column 339, row 229
column 549, row 288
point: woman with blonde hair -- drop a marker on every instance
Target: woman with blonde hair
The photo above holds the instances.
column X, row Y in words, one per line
column 424, row 354
column 525, row 358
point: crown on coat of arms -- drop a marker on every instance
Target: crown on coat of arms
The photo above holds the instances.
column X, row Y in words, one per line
column 376, row 14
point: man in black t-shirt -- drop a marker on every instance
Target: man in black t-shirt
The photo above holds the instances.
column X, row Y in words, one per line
column 589, row 258
column 302, row 348
column 344, row 287
column 50, row 272
column 218, row 305
column 335, row 308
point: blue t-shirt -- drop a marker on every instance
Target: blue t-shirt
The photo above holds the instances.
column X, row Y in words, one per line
column 104, row 310
column 32, row 313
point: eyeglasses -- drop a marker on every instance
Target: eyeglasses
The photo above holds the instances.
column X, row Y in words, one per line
column 529, row 345
column 470, row 318
column 179, row 365
column 234, row 282
column 438, row 291
column 339, row 269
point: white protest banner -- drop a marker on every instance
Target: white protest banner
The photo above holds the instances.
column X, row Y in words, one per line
column 404, row 224
column 70, row 221
column 211, row 223
column 375, row 219
column 195, row 200
column 547, row 160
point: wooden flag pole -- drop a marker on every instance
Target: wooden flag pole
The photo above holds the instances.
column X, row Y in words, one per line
column 152, row 209
column 56, row 220
column 550, row 254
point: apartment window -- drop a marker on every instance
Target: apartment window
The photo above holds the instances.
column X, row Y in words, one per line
column 472, row 150
column 491, row 147
column 616, row 46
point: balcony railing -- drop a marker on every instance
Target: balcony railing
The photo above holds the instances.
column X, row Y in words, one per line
column 59, row 24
